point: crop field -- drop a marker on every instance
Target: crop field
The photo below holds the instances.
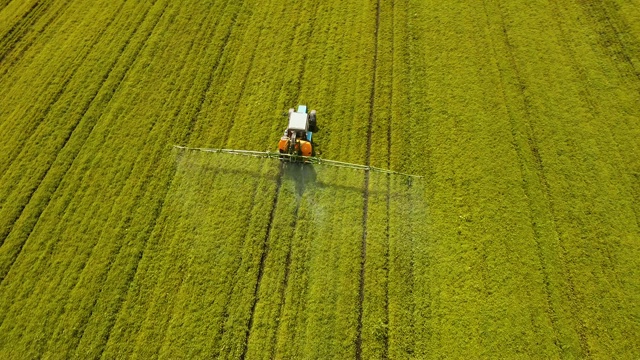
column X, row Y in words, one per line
column 521, row 239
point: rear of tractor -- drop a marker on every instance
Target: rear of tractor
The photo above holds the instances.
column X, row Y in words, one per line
column 296, row 143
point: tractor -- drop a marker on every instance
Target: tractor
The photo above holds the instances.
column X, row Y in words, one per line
column 296, row 143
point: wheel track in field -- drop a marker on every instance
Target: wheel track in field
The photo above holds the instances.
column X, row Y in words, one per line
column 285, row 281
column 385, row 354
column 41, row 118
column 539, row 168
column 225, row 311
column 549, row 309
column 70, row 164
column 599, row 15
column 141, row 46
column 189, row 132
column 629, row 71
column 119, row 81
column 159, row 210
column 217, row 64
column 265, row 248
column 243, row 87
column 110, row 97
column 609, row 27
column 263, row 256
column 64, row 144
column 591, row 101
column 229, row 295
column 365, row 212
column 185, row 138
column 3, row 4
column 52, row 245
column 38, row 117
column 156, row 211
column 20, row 28
column 420, row 73
column 8, row 63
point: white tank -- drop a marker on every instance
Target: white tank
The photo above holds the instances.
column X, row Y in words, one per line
column 298, row 121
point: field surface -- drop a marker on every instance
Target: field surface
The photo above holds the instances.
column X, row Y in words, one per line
column 522, row 239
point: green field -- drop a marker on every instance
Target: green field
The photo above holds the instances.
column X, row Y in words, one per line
column 522, row 239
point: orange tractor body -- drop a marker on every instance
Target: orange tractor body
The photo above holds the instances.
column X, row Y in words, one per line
column 296, row 140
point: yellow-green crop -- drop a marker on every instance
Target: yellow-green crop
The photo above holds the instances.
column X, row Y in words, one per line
column 521, row 239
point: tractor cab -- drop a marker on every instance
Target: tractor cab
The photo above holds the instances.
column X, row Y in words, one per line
column 296, row 139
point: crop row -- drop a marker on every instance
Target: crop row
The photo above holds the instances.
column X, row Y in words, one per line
column 520, row 239
column 91, row 252
column 522, row 182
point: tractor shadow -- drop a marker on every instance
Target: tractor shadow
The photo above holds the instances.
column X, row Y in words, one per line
column 303, row 175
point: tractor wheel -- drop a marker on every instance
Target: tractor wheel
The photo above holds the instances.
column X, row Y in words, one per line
column 312, row 121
